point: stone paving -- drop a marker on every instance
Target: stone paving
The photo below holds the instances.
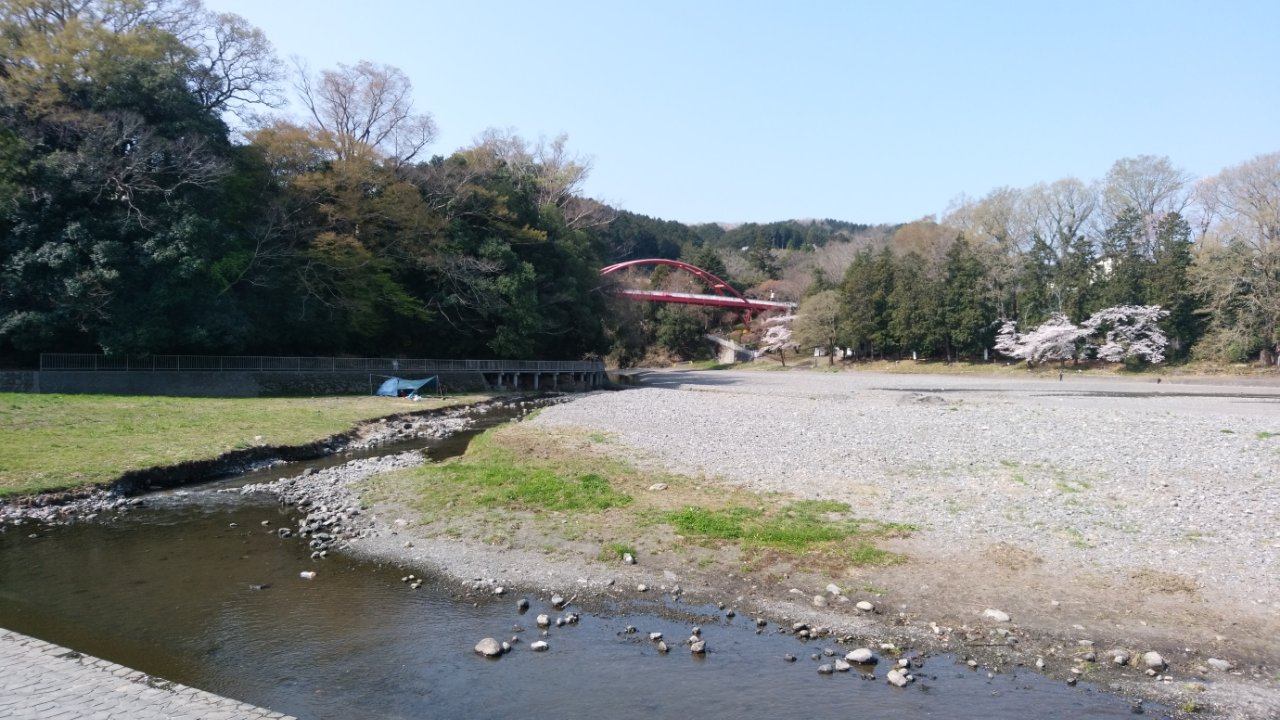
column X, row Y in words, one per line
column 39, row 680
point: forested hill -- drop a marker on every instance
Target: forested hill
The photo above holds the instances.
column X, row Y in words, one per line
column 632, row 236
column 133, row 219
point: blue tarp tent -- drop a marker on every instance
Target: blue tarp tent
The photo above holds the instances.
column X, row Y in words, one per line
column 399, row 387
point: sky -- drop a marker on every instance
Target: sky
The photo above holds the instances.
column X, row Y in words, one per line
column 870, row 112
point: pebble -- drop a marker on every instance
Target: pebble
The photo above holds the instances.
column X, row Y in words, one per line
column 862, row 656
column 842, row 666
column 865, row 606
column 538, row 645
column 628, row 559
column 996, row 615
column 895, row 677
column 824, row 670
column 489, row 647
column 655, row 636
column 642, row 588
column 557, row 601
column 522, row 604
column 698, row 648
column 820, row 601
column 1154, row 661
column 307, row 575
column 662, row 646
column 1120, row 657
column 544, row 621
column 1220, row 665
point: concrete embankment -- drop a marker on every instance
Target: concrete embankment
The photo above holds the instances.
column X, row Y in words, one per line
column 43, row 680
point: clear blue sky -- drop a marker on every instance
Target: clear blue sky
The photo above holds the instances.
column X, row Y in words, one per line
column 860, row 111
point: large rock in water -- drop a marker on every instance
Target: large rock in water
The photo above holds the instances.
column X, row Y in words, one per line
column 489, row 647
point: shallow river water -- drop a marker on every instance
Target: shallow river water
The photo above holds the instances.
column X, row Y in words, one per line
column 169, row 589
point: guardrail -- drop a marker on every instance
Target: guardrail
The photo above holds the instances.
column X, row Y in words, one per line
column 253, row 363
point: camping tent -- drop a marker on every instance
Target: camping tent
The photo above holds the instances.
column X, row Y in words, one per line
column 399, row 387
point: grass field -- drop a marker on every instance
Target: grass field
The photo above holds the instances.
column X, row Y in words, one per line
column 53, row 442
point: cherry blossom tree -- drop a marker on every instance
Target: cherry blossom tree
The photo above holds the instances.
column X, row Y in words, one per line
column 1116, row 334
column 1056, row 339
column 1130, row 332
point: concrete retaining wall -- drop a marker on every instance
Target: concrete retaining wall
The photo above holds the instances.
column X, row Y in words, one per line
column 19, row 381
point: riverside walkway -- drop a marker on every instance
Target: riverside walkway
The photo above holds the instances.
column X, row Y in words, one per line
column 42, row 680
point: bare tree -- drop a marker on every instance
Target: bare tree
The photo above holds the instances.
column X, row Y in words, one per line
column 235, row 65
column 366, row 109
column 1238, row 270
column 1060, row 212
column 556, row 174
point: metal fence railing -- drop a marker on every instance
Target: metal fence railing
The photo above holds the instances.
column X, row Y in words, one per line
column 256, row 363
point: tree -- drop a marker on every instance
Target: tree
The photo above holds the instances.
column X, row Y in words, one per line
column 1239, row 269
column 1130, row 333
column 366, row 108
column 817, row 323
column 914, row 307
column 864, row 302
column 966, row 306
column 1055, row 339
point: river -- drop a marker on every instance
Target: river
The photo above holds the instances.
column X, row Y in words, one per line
column 195, row 587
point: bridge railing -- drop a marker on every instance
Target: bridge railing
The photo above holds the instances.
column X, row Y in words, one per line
column 64, row 362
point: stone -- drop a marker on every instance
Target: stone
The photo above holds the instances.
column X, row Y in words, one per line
column 489, row 647
column 842, row 666
column 1039, row 663
column 544, row 621
column 657, row 487
column 557, row 601
column 862, row 656
column 896, row 678
column 655, row 636
column 1120, row 657
column 824, row 670
column 307, row 575
column 538, row 645
column 499, row 590
column 834, row 589
column 865, row 606
column 1220, row 665
column 820, row 601
column 996, row 615
column 1154, row 660
column 698, row 648
column 628, row 559
column 662, row 646
column 522, row 604
column 642, row 588
column 789, row 657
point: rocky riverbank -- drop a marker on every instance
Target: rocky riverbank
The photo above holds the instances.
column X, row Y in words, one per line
column 129, row 491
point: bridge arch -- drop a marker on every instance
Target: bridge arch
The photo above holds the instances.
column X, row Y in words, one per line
column 718, row 286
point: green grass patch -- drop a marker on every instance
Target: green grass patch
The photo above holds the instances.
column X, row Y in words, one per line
column 492, row 476
column 796, row 527
column 615, row 551
column 52, row 442
column 1264, row 435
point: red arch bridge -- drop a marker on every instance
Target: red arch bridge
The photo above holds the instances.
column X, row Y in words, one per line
column 724, row 294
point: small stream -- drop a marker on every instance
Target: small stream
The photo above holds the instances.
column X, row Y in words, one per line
column 169, row 589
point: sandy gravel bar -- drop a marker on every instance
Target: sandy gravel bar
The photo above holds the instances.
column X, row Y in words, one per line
column 1179, row 478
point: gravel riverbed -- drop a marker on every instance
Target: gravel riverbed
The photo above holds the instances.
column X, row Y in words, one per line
column 1079, row 512
column 1179, row 478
